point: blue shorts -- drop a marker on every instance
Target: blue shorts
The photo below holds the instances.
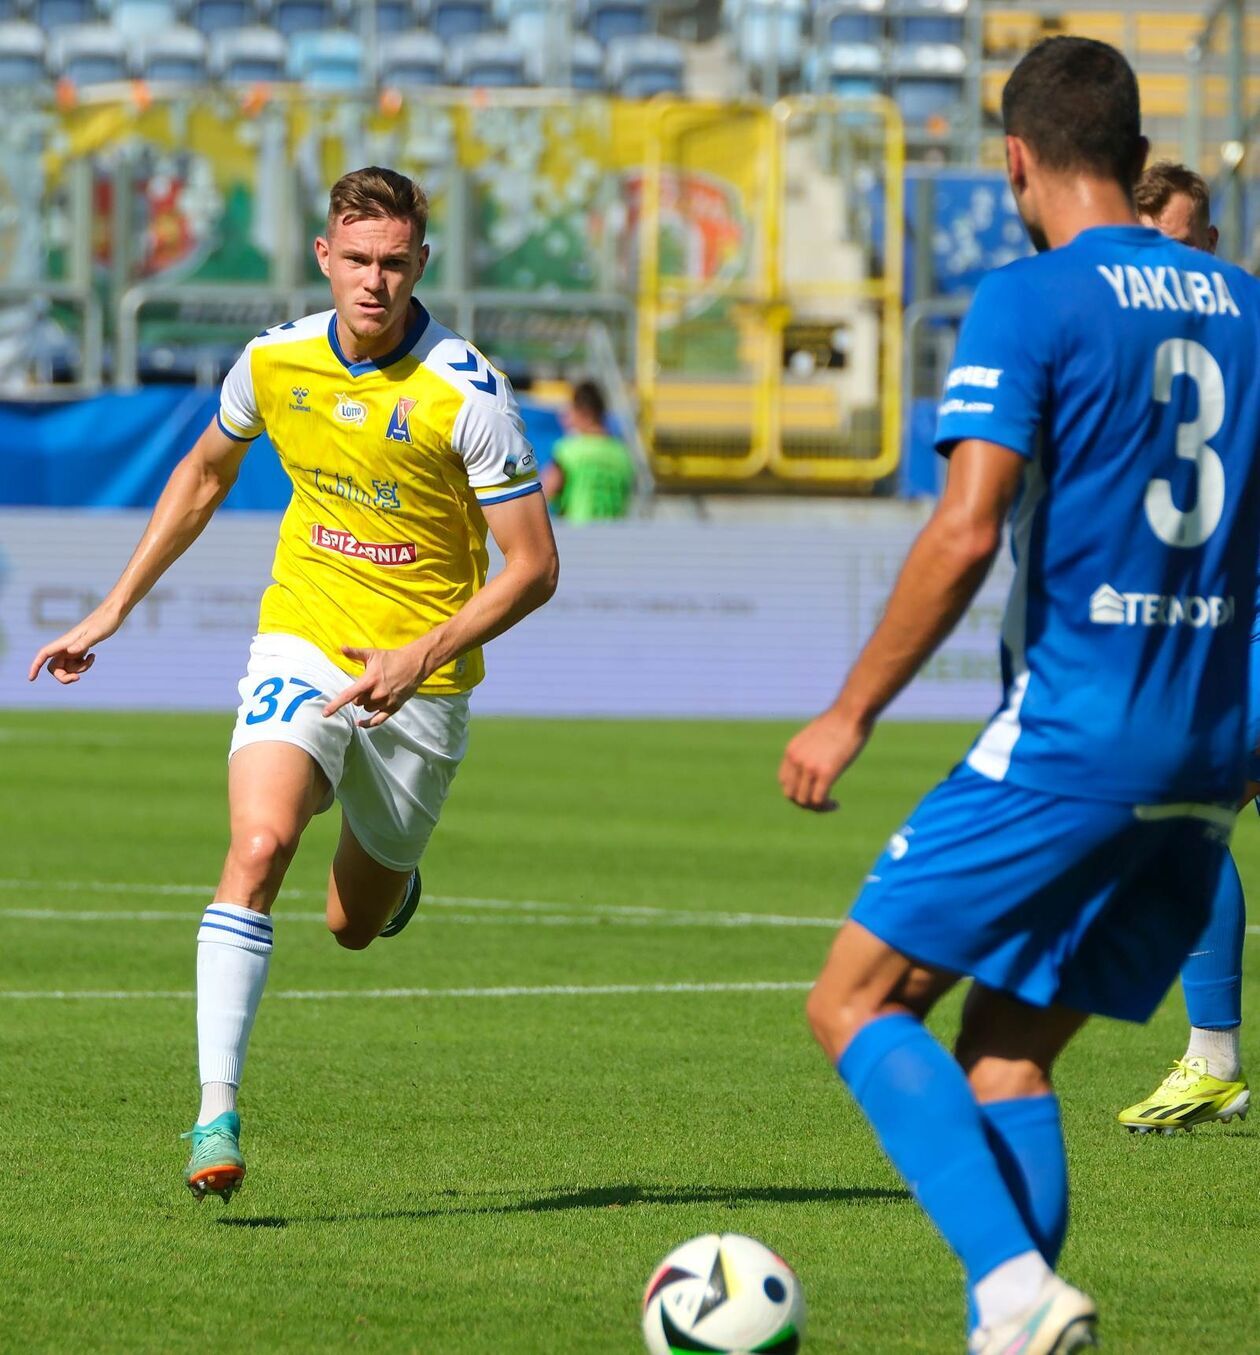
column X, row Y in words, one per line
column 1253, row 711
column 1085, row 903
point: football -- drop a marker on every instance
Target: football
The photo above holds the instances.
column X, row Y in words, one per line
column 729, row 1294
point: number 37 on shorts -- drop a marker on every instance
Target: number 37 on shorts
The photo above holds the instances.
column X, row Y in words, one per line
column 271, row 697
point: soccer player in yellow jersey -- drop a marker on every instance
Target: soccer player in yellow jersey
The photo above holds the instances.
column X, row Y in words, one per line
column 403, row 444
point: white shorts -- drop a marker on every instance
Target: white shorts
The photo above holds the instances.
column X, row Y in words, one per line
column 391, row 780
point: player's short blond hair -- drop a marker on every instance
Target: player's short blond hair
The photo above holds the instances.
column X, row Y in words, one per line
column 379, row 194
column 1157, row 187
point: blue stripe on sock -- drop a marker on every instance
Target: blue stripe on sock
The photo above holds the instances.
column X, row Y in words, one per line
column 249, row 936
column 256, row 920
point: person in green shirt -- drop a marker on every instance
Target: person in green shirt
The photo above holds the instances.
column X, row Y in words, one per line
column 591, row 475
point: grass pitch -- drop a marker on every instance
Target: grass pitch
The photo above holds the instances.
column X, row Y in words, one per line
column 498, row 1169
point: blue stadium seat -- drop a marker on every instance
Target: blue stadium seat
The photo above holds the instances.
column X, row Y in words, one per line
column 12, row 9
column 246, row 56
column 852, row 68
column 88, row 54
column 22, row 54
column 135, row 18
column 928, row 21
column 301, row 16
column 771, row 30
column 329, row 60
column 488, row 60
column 395, row 16
column 850, row 21
column 928, row 80
column 414, row 59
column 179, row 54
column 49, row 14
column 586, row 63
column 214, row 16
column 609, row 19
column 642, row 66
column 451, row 19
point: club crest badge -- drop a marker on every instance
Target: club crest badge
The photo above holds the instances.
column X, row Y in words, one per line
column 398, row 430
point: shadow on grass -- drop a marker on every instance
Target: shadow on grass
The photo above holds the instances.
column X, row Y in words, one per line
column 597, row 1197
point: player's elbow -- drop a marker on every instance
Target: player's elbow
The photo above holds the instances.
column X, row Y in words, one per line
column 546, row 579
column 973, row 542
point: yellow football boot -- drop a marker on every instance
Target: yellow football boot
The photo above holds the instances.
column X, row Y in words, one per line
column 1189, row 1095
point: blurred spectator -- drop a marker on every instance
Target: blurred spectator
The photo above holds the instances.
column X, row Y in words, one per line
column 591, row 474
column 1174, row 199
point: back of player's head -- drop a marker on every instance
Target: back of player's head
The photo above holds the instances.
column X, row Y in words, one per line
column 588, row 399
column 1164, row 181
column 380, row 194
column 1074, row 103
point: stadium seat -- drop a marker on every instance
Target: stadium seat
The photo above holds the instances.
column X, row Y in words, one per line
column 50, row 14
column 329, row 60
column 928, row 21
column 852, row 68
column 12, row 9
column 137, row 17
column 928, row 80
column 642, row 66
column 771, row 30
column 215, row 16
column 451, row 19
column 487, row 60
column 850, row 22
column 22, row 53
column 176, row 54
column 253, row 55
column 301, row 16
column 586, row 63
column 88, row 54
column 411, row 59
column 395, row 16
column 609, row 19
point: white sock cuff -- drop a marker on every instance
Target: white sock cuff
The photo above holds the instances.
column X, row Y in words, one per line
column 229, row 924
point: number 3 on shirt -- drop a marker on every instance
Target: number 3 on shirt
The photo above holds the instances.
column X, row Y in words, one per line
column 268, row 692
column 1184, row 357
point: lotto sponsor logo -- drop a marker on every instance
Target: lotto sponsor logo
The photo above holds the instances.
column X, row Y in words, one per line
column 350, row 411
column 1109, row 607
column 378, row 552
column 985, row 378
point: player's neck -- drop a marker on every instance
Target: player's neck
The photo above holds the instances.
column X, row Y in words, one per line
column 356, row 349
column 1076, row 204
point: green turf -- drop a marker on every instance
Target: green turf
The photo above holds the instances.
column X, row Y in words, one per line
column 453, row 1175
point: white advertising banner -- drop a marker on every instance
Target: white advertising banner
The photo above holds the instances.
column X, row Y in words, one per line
column 732, row 617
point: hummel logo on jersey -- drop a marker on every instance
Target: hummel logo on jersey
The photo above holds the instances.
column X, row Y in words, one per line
column 298, row 402
column 1108, row 607
column 398, row 430
column 488, row 383
column 349, row 411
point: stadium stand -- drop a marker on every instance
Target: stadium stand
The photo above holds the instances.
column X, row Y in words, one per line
column 136, row 18
column 88, row 53
column 487, row 60
column 246, row 56
column 411, row 60
column 302, row 16
column 179, row 54
column 451, row 19
column 639, row 67
column 213, row 16
column 23, row 50
column 331, row 59
column 607, row 20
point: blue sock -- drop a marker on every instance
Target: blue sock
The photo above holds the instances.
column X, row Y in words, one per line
column 1212, row 974
column 925, row 1116
column 1026, row 1137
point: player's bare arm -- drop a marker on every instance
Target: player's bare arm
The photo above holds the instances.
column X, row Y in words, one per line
column 531, row 570
column 941, row 575
column 198, row 485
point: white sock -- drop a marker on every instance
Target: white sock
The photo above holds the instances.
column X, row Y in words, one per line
column 233, row 956
column 1010, row 1288
column 1220, row 1049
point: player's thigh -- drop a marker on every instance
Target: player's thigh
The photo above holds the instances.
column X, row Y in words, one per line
column 864, row 977
column 1008, row 1047
column 362, row 893
column 397, row 776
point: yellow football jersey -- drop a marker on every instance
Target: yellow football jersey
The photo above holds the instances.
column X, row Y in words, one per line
column 390, row 460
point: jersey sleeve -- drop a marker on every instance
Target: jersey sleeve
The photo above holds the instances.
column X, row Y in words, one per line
column 238, row 415
column 491, row 441
column 997, row 384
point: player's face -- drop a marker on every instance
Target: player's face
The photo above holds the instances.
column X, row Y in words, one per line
column 1181, row 220
column 372, row 266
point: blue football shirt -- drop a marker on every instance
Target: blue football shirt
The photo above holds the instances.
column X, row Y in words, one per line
column 1126, row 369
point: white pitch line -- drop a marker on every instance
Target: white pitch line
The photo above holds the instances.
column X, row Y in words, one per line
column 324, row 995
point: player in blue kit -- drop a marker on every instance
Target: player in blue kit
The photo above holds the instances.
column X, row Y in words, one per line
column 1206, row 1084
column 1103, row 397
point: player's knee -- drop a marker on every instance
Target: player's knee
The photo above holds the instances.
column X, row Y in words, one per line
column 261, row 852
column 349, row 936
column 835, row 1020
column 1002, row 1079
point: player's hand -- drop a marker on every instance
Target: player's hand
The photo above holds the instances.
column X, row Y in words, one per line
column 69, row 656
column 816, row 757
column 389, row 680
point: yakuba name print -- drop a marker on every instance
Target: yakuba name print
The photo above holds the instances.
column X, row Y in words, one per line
column 1163, row 288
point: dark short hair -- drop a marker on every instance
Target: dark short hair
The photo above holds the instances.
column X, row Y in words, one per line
column 588, row 399
column 1075, row 102
column 1164, row 181
column 380, row 194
